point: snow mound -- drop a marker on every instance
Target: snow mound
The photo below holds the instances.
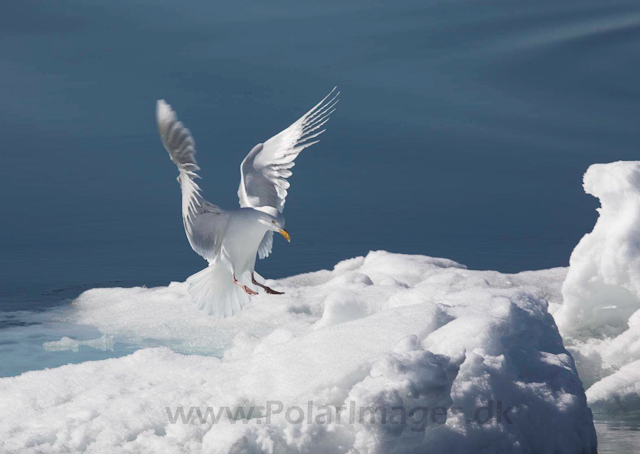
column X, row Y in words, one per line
column 600, row 316
column 602, row 289
column 385, row 353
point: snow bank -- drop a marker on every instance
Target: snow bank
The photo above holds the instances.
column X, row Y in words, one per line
column 602, row 289
column 385, row 353
column 600, row 316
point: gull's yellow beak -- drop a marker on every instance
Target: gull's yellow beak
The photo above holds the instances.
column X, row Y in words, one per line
column 285, row 234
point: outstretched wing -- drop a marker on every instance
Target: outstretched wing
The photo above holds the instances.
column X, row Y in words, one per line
column 204, row 222
column 264, row 172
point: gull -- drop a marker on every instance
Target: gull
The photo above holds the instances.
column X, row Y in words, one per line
column 230, row 239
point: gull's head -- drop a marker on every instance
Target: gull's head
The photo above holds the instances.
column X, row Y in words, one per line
column 275, row 221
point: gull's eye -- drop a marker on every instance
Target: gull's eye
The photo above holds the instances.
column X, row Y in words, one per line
column 273, row 222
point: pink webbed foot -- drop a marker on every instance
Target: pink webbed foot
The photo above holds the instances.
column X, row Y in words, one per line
column 246, row 289
column 269, row 290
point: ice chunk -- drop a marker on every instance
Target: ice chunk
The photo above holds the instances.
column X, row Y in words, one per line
column 66, row 343
column 600, row 315
column 618, row 393
column 385, row 352
column 602, row 289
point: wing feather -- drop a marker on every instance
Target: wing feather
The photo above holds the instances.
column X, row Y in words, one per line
column 264, row 172
column 266, row 245
column 204, row 223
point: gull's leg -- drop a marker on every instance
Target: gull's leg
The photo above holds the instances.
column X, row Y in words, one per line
column 267, row 289
column 246, row 289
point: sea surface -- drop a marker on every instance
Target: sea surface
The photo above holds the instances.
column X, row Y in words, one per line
column 463, row 131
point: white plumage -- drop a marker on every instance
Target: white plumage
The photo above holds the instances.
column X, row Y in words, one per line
column 230, row 239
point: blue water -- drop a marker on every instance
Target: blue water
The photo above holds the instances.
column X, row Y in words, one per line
column 617, row 436
column 464, row 129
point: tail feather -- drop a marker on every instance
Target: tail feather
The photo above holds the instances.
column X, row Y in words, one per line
column 214, row 292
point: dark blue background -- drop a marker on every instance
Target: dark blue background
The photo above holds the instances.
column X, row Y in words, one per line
column 463, row 131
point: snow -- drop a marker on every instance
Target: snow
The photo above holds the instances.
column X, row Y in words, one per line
column 600, row 314
column 602, row 289
column 618, row 393
column 400, row 342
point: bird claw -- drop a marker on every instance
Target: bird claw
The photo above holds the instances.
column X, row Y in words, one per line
column 269, row 290
column 248, row 291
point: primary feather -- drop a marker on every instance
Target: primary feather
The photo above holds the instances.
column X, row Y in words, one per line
column 264, row 172
column 204, row 222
